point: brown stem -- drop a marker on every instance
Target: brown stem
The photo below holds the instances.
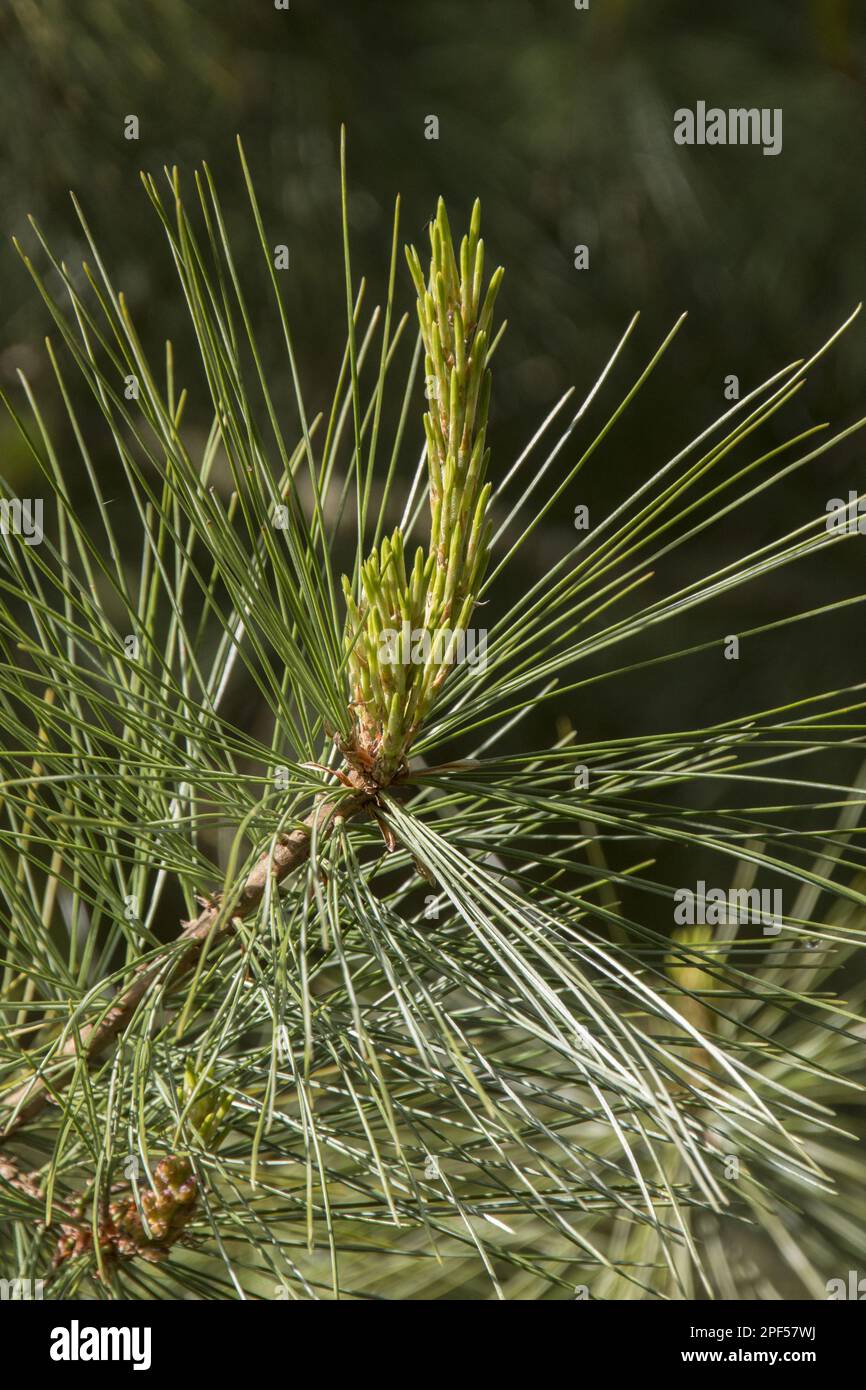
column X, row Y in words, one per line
column 290, row 851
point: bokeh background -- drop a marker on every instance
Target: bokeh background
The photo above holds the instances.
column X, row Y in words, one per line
column 561, row 121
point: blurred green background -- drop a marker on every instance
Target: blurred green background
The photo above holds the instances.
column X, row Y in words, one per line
column 562, row 122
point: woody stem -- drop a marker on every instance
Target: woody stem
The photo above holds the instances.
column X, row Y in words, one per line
column 216, row 919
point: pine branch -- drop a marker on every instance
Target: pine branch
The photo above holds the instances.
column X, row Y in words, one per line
column 216, row 918
column 455, row 327
column 526, row 1051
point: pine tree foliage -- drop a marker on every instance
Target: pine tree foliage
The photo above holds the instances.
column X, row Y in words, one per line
column 339, row 989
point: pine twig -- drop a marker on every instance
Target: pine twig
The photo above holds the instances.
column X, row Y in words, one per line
column 290, row 852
